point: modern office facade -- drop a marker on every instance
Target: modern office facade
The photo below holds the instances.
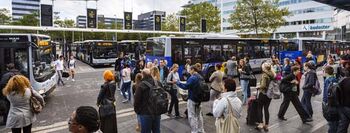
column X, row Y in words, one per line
column 309, row 19
column 227, row 6
column 145, row 21
column 21, row 8
column 342, row 25
column 108, row 22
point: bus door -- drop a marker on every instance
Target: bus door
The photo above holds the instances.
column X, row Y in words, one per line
column 16, row 53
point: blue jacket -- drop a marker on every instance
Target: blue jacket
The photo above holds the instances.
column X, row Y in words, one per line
column 191, row 83
column 286, row 70
column 327, row 82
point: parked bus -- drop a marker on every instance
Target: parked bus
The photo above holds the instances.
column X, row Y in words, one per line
column 33, row 55
column 133, row 48
column 319, row 48
column 209, row 50
column 97, row 52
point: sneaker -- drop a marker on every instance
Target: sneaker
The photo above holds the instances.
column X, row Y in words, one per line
column 73, row 80
column 125, row 101
column 67, row 79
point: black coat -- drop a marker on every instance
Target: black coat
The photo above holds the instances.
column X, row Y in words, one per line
column 310, row 80
column 166, row 72
column 141, row 98
column 286, row 83
column 6, row 77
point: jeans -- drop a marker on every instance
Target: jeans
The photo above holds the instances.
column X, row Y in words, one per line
column 195, row 117
column 333, row 125
column 150, row 124
column 27, row 129
column 174, row 102
column 126, row 88
column 263, row 103
column 344, row 119
column 60, row 79
column 244, row 87
column 306, row 102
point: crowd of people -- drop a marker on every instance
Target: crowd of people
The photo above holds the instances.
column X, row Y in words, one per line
column 146, row 83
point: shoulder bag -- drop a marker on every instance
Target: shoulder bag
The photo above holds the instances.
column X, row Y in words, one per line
column 107, row 107
column 35, row 104
column 228, row 124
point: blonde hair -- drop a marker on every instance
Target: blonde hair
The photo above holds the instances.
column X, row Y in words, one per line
column 17, row 84
column 174, row 65
column 108, row 75
column 155, row 73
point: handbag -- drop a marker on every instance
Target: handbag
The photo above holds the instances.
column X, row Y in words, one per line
column 35, row 104
column 65, row 74
column 252, row 80
column 228, row 124
column 107, row 107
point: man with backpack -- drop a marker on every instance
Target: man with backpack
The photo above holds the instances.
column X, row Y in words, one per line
column 4, row 103
column 193, row 85
column 329, row 110
column 150, row 102
column 289, row 89
column 343, row 100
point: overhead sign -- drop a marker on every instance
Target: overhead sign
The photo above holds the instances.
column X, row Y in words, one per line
column 157, row 22
column 91, row 18
column 317, row 27
column 104, row 44
column 46, row 15
column 204, row 25
column 182, row 24
column 127, row 20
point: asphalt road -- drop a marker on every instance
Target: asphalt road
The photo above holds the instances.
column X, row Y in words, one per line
column 65, row 99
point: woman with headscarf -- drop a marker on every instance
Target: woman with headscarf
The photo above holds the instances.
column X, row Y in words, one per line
column 106, row 98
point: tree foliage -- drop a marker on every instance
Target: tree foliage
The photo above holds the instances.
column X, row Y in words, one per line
column 4, row 16
column 28, row 20
column 67, row 23
column 195, row 13
column 258, row 16
column 171, row 23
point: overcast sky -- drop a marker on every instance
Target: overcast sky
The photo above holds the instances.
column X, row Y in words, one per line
column 72, row 8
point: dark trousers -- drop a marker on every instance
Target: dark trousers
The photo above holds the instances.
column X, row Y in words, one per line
column 344, row 121
column 6, row 110
column 27, row 129
column 292, row 97
column 248, row 91
column 174, row 102
column 263, row 103
column 306, row 102
column 126, row 88
column 150, row 124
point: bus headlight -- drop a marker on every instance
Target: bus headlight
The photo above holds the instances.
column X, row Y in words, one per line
column 41, row 91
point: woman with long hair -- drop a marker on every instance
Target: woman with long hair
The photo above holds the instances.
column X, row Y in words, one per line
column 155, row 73
column 18, row 91
column 105, row 97
column 244, row 77
column 135, row 86
column 172, row 78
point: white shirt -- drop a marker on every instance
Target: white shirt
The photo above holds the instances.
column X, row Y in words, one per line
column 71, row 64
column 59, row 65
column 220, row 106
column 126, row 73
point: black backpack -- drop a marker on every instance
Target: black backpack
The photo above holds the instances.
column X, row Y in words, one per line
column 329, row 110
column 201, row 94
column 158, row 99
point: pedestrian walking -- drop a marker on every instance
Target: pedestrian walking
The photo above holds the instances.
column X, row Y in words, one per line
column 5, row 103
column 232, row 67
column 195, row 117
column 150, row 122
column 216, row 86
column 330, row 79
column 84, row 120
column 126, row 75
column 59, row 63
column 308, row 87
column 263, row 100
column 344, row 100
column 117, row 70
column 18, row 91
column 246, row 59
column 288, row 87
column 228, row 105
column 244, row 77
column 135, row 86
column 71, row 66
column 171, row 79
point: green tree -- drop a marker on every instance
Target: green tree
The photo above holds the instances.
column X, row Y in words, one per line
column 171, row 23
column 4, row 16
column 67, row 23
column 258, row 16
column 195, row 13
column 28, row 20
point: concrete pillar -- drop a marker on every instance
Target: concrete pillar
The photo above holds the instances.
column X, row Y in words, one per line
column 324, row 35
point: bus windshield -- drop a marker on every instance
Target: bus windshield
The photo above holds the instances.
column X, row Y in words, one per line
column 105, row 52
column 43, row 58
